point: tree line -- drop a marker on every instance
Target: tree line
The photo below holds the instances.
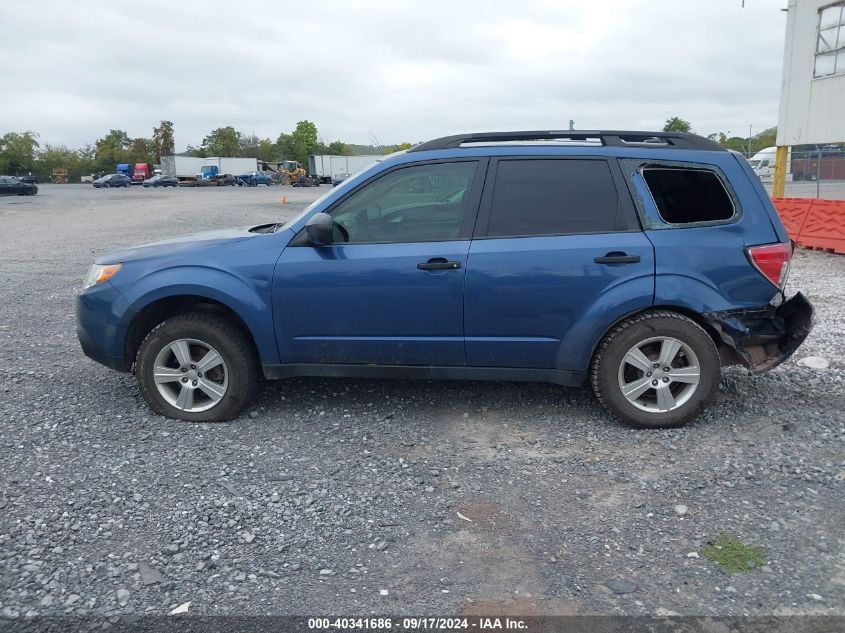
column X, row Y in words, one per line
column 744, row 145
column 21, row 153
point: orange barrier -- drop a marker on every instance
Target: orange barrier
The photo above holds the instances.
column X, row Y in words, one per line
column 814, row 223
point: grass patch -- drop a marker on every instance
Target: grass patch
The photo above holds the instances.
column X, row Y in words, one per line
column 732, row 555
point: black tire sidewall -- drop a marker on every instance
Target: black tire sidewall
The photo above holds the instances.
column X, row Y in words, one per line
column 629, row 333
column 223, row 336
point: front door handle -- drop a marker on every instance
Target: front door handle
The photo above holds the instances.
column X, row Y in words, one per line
column 439, row 263
column 617, row 257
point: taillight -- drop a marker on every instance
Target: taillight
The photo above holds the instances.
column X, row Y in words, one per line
column 772, row 260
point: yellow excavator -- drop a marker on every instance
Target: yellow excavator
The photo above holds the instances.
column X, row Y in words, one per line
column 285, row 172
column 291, row 172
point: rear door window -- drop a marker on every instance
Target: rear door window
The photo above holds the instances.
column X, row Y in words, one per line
column 552, row 197
column 686, row 196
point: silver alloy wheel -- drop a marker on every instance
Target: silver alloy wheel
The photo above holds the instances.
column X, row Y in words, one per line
column 659, row 374
column 190, row 375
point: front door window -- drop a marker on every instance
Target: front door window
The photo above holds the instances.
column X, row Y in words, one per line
column 421, row 203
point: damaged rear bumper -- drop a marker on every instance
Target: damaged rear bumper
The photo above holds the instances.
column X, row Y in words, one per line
column 762, row 338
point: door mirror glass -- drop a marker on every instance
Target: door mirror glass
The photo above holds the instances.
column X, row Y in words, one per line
column 319, row 229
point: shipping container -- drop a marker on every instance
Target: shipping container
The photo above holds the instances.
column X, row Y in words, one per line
column 327, row 166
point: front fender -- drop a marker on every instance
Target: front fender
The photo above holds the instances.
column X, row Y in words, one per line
column 576, row 348
column 249, row 299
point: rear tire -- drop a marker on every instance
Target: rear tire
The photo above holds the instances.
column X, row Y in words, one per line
column 189, row 341
column 626, row 362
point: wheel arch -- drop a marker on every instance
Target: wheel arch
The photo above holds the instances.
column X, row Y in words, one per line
column 727, row 355
column 160, row 309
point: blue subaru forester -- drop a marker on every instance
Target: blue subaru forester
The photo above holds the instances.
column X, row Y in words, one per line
column 641, row 262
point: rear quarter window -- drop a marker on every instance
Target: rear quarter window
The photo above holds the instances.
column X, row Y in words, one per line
column 688, row 196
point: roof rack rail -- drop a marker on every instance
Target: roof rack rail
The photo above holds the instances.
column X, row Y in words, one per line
column 618, row 138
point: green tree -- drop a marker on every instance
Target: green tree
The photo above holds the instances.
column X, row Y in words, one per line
column 389, row 149
column 224, row 141
column 190, row 150
column 77, row 162
column 267, row 150
column 112, row 149
column 18, row 152
column 163, row 140
column 303, row 140
column 734, row 142
column 766, row 138
column 677, row 124
column 337, row 148
column 284, row 147
column 253, row 146
column 142, row 150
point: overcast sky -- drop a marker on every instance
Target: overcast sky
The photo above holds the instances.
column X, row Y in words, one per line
column 394, row 71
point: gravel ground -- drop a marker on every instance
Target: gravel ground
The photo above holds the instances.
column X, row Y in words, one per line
column 352, row 496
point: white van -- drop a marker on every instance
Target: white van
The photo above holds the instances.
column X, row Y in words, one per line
column 763, row 163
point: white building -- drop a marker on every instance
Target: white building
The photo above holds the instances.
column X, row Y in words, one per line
column 812, row 101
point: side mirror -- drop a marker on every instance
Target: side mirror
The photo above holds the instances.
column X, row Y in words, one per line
column 319, row 229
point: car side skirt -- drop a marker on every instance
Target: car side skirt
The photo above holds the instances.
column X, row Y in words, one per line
column 563, row 377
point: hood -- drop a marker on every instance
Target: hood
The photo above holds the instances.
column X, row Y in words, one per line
column 179, row 245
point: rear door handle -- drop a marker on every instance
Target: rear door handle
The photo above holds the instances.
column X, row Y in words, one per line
column 439, row 263
column 617, row 258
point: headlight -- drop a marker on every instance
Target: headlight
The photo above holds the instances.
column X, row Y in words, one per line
column 99, row 273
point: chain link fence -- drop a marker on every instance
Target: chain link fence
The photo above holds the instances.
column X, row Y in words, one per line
column 813, row 174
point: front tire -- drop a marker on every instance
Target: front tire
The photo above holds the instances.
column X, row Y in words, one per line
column 197, row 367
column 656, row 370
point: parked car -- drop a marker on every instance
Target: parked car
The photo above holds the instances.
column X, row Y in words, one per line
column 224, row 180
column 640, row 262
column 13, row 186
column 113, row 180
column 161, row 180
column 339, row 178
column 254, row 179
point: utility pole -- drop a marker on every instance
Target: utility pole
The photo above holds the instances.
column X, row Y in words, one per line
column 749, row 141
column 571, row 125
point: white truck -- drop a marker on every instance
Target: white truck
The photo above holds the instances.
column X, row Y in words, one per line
column 326, row 166
column 181, row 166
column 763, row 163
column 192, row 167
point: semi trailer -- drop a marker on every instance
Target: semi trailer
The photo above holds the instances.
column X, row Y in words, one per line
column 326, row 166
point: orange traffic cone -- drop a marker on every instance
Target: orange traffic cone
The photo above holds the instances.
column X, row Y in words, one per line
column 284, row 199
